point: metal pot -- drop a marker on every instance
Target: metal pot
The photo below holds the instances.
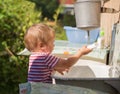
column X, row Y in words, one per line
column 87, row 13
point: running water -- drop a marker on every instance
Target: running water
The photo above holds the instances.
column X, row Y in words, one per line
column 88, row 37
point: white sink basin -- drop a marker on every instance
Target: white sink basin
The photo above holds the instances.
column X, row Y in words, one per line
column 99, row 69
column 86, row 69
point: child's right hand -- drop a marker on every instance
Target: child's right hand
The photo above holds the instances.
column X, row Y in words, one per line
column 84, row 50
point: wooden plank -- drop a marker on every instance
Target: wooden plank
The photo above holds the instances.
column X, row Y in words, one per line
column 108, row 20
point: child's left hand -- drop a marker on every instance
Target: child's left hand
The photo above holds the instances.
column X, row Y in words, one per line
column 61, row 70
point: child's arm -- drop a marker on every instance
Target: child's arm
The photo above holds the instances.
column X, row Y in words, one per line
column 65, row 64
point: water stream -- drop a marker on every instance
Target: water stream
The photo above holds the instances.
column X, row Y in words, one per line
column 88, row 37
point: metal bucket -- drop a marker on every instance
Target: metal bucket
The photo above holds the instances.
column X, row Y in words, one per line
column 87, row 14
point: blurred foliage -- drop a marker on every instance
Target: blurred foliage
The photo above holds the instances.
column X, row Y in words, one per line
column 60, row 32
column 68, row 20
column 52, row 10
column 47, row 7
column 15, row 17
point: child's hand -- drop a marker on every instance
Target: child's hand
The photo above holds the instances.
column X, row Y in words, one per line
column 84, row 50
column 62, row 70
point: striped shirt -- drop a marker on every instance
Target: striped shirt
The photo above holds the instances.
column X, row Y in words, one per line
column 40, row 67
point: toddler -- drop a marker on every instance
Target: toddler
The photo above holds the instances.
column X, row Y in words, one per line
column 39, row 40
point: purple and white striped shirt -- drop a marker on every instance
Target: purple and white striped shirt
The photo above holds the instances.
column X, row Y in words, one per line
column 40, row 67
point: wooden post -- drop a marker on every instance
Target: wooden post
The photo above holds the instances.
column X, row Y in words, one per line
column 108, row 20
